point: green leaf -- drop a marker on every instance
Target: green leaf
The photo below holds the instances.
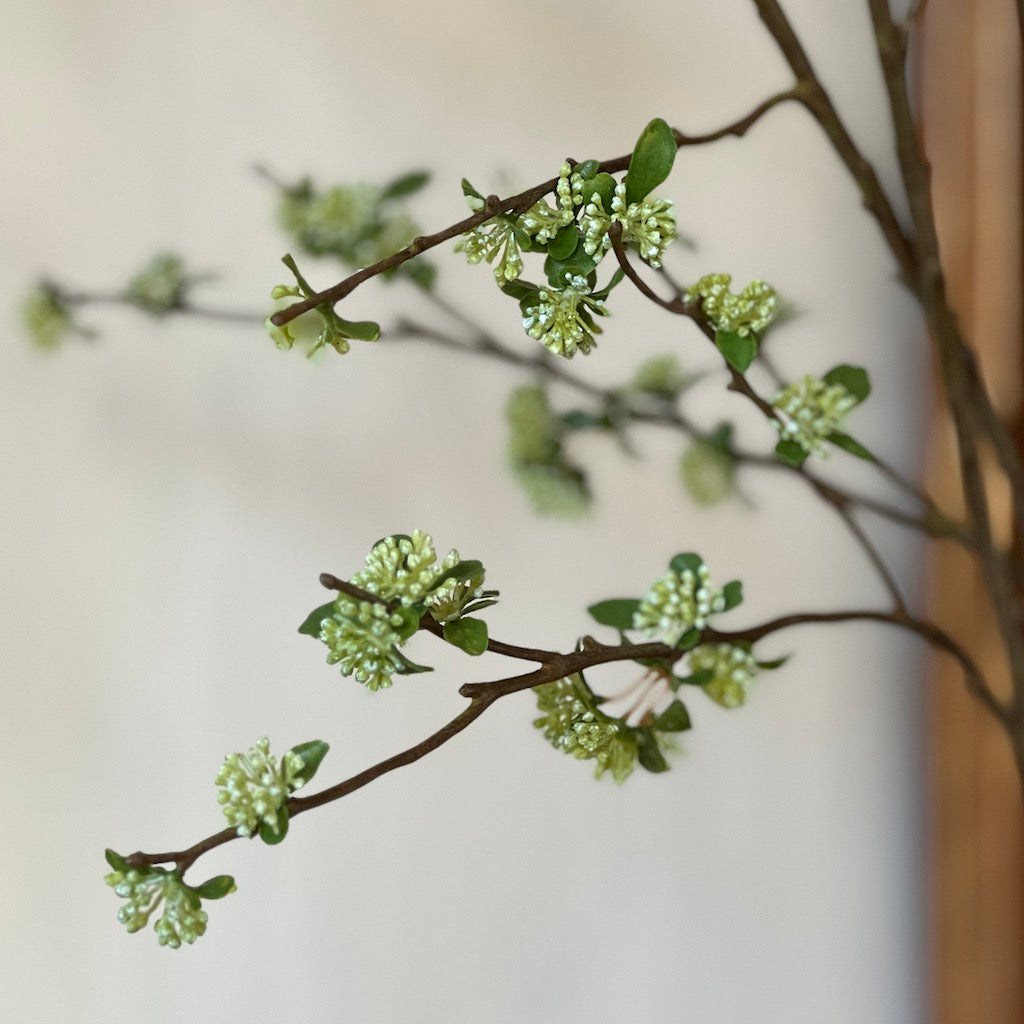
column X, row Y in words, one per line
column 587, row 169
column 360, row 330
column 853, row 378
column 405, row 185
column 311, row 625
column 616, row 612
column 479, row 606
column 410, row 620
column 848, row 444
column 471, row 193
column 461, row 572
column 648, row 751
column 738, row 349
column 268, row 835
column 601, row 185
column 115, row 860
column 563, row 245
column 689, row 639
column 733, row 594
column 215, row 888
column 701, row 678
column 408, row 668
column 616, row 278
column 675, row 718
column 791, row 453
column 651, row 162
column 580, row 419
column 312, row 752
column 721, row 438
column 578, row 264
column 687, row 560
column 468, row 634
column 520, row 290
column 773, row 664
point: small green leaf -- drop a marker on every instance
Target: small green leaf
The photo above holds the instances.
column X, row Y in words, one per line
column 675, row 718
column 563, row 245
column 268, row 835
column 689, row 639
column 587, row 169
column 791, row 453
column 520, row 290
column 410, row 620
column 853, row 378
column 471, row 193
column 215, row 888
column 312, row 752
column 115, row 860
column 479, row 606
column 468, row 634
column 701, row 678
column 648, row 752
column 651, row 162
column 360, row 330
column 408, row 668
column 601, row 185
column 773, row 664
column 405, row 185
column 616, row 612
column 578, row 264
column 733, row 594
column 687, row 560
column 580, row 419
column 848, row 444
column 738, row 349
column 616, row 278
column 311, row 625
column 721, row 438
column 461, row 572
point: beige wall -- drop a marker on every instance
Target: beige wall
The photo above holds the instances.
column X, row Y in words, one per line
column 171, row 493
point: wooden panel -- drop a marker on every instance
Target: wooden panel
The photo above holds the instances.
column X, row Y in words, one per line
column 970, row 87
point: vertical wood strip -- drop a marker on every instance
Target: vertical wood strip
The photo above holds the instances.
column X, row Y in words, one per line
column 970, row 89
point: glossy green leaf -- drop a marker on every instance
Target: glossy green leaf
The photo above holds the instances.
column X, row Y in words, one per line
column 479, row 606
column 848, row 444
column 586, row 169
column 738, row 349
column 360, row 330
column 774, row 663
column 853, row 378
column 689, row 639
column 312, row 752
column 410, row 620
column 616, row 612
column 721, row 438
column 311, row 625
column 115, row 860
column 470, row 192
column 791, row 453
column 687, row 560
column 268, row 835
column 461, row 572
column 579, row 264
column 675, row 718
column 468, row 634
column 648, row 751
column 580, row 419
column 405, row 185
column 520, row 290
column 563, row 245
column 616, row 279
column 733, row 594
column 651, row 162
column 602, row 186
column 408, row 667
column 701, row 678
column 215, row 888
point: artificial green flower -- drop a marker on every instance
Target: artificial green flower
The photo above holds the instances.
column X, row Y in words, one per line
column 732, row 670
column 677, row 603
column 749, row 312
column 562, row 320
column 362, row 639
column 145, row 889
column 811, row 411
column 254, row 787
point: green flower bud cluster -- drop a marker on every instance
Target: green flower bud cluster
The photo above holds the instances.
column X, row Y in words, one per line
column 362, row 639
column 161, row 286
column 572, row 723
column 812, row 410
column 358, row 224
column 680, row 601
column 574, row 235
column 708, row 466
column 253, row 787
column 405, row 567
column 661, row 376
column 749, row 312
column 562, row 320
column 46, row 316
column 144, row 890
column 554, row 486
column 731, row 667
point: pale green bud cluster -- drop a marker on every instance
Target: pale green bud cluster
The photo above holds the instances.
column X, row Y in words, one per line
column 362, row 639
column 572, row 724
column 145, row 889
column 812, row 410
column 661, row 376
column 542, row 223
column 354, row 223
column 677, row 603
column 733, row 669
column 494, row 240
column 749, row 312
column 649, row 225
column 161, row 286
column 46, row 317
column 554, row 486
column 562, row 320
column 253, row 787
column 708, row 473
column 448, row 601
column 404, row 567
